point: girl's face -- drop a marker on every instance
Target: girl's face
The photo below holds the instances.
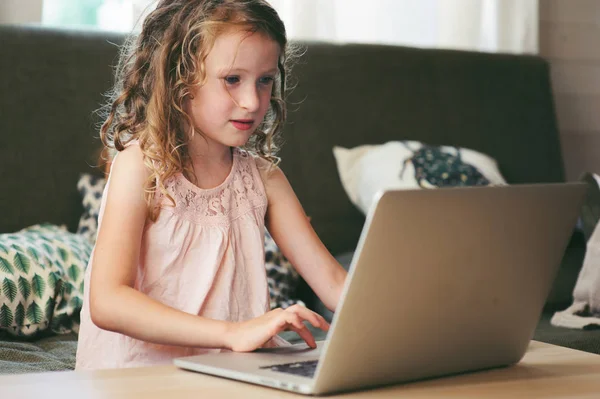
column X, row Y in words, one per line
column 240, row 70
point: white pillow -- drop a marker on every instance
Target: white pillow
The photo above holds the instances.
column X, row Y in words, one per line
column 367, row 169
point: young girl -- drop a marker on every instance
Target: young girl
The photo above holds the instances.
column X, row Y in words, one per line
column 178, row 266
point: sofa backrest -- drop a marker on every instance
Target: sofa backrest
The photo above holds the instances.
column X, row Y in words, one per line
column 51, row 84
column 349, row 95
column 52, row 81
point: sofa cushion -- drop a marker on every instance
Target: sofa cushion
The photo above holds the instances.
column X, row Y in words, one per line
column 368, row 169
column 41, row 280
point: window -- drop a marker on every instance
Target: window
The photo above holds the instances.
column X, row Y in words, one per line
column 485, row 25
column 114, row 15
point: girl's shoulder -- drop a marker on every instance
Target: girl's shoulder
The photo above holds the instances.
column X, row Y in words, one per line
column 131, row 147
column 129, row 162
column 265, row 168
column 132, row 155
column 270, row 174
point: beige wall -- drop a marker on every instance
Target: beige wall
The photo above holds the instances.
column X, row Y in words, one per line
column 570, row 39
column 20, row 11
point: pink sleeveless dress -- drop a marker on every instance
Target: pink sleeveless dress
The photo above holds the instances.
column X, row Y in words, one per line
column 205, row 256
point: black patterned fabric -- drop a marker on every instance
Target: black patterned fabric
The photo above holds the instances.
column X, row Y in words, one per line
column 281, row 276
column 90, row 188
column 443, row 169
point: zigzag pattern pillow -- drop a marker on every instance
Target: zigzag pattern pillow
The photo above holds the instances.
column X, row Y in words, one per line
column 90, row 188
column 41, row 280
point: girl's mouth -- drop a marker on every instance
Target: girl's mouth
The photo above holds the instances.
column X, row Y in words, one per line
column 242, row 124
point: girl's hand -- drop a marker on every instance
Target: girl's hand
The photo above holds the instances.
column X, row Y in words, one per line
column 249, row 335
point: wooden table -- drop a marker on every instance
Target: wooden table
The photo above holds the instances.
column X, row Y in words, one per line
column 547, row 371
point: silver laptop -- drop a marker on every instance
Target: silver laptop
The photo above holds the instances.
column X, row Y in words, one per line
column 442, row 282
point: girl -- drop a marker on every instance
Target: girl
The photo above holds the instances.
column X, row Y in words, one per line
column 178, row 265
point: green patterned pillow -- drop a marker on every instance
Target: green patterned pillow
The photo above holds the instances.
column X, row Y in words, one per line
column 41, row 280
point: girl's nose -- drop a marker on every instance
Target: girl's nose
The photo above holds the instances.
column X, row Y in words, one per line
column 250, row 99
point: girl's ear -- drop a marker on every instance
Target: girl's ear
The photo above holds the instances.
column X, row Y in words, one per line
column 186, row 102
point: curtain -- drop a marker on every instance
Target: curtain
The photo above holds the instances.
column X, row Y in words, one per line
column 489, row 25
column 481, row 25
column 113, row 15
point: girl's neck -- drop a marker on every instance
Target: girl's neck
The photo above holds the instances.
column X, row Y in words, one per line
column 209, row 154
column 210, row 163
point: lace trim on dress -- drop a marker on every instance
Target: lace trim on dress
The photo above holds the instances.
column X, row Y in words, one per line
column 241, row 192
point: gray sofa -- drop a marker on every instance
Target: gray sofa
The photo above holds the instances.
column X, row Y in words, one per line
column 52, row 81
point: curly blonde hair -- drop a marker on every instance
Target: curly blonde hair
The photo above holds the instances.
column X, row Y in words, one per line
column 157, row 70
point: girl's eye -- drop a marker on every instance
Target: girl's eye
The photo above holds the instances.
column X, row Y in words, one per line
column 232, row 79
column 266, row 80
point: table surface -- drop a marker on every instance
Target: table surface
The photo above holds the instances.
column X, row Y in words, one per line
column 546, row 371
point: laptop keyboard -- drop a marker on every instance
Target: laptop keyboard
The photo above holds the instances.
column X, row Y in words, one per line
column 304, row 369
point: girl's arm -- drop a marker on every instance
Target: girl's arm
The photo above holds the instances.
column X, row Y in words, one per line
column 114, row 304
column 290, row 228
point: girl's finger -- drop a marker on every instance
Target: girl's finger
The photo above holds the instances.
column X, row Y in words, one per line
column 305, row 314
column 310, row 316
column 305, row 334
column 294, row 320
column 324, row 324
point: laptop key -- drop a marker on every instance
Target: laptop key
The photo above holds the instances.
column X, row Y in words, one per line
column 304, row 369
